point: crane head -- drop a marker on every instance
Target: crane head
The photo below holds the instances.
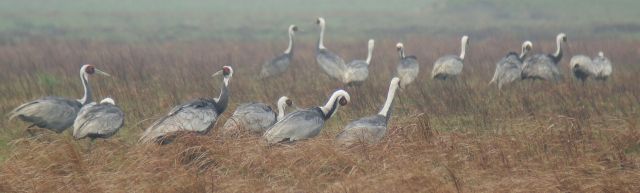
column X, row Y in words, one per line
column 90, row 69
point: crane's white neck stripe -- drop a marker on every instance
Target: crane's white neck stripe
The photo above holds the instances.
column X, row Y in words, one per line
column 390, row 95
column 321, row 40
column 288, row 50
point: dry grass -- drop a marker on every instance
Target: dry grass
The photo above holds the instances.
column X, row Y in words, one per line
column 461, row 136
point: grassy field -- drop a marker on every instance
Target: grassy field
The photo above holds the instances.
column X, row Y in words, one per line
column 457, row 136
column 460, row 136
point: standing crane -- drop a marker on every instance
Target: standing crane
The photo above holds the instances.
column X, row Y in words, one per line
column 255, row 117
column 56, row 113
column 98, row 120
column 280, row 64
column 195, row 116
column 545, row 66
column 305, row 123
column 451, row 65
column 369, row 129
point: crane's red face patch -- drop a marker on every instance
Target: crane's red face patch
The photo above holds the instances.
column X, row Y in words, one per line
column 90, row 69
column 289, row 102
column 226, row 71
column 343, row 101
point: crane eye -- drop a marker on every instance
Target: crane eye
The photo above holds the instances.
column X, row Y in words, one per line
column 295, row 28
column 289, row 102
column 90, row 69
column 343, row 101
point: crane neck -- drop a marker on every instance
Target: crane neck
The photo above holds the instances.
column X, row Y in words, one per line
column 86, row 99
column 223, row 100
column 321, row 39
column 463, row 50
column 369, row 52
column 281, row 108
column 290, row 47
column 385, row 111
column 401, row 52
column 332, row 105
column 557, row 56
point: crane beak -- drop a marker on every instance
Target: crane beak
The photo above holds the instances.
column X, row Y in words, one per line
column 217, row 73
column 103, row 73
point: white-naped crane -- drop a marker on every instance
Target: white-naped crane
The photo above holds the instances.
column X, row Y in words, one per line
column 545, row 66
column 371, row 129
column 408, row 67
column 56, row 113
column 305, row 123
column 330, row 62
column 583, row 67
column 357, row 71
column 450, row 66
column 280, row 64
column 197, row 116
column 101, row 120
column 509, row 68
column 255, row 117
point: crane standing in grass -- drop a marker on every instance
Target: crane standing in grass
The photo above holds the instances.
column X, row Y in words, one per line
column 255, row 117
column 370, row 129
column 330, row 62
column 195, row 116
column 305, row 123
column 358, row 70
column 451, row 65
column 408, row 67
column 56, row 113
column 583, row 67
column 545, row 66
column 280, row 64
column 509, row 68
column 98, row 120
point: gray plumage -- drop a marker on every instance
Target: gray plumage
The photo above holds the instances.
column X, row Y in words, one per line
column 280, row 64
column 408, row 67
column 450, row 66
column 509, row 68
column 369, row 129
column 53, row 113
column 255, row 117
column 584, row 67
column 358, row 70
column 605, row 67
column 196, row 116
column 305, row 123
column 330, row 62
column 545, row 66
column 98, row 120
column 56, row 113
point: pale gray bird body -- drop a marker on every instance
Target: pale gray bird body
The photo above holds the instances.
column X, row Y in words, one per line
column 509, row 68
column 255, row 117
column 305, row 123
column 280, row 64
column 583, row 67
column 450, row 66
column 408, row 67
column 98, row 120
column 196, row 116
column 56, row 113
column 545, row 66
column 371, row 129
column 330, row 62
column 357, row 71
